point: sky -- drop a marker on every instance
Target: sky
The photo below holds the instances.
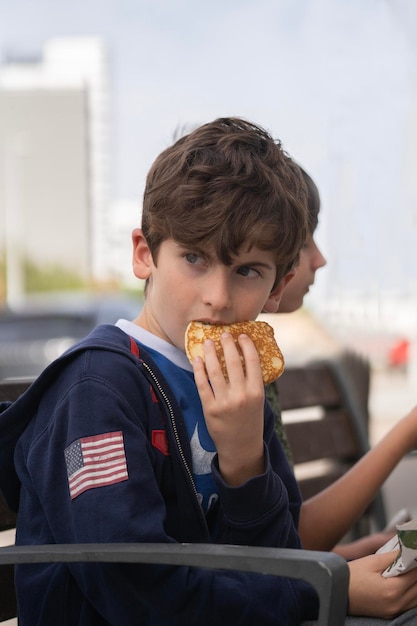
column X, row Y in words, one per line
column 175, row 63
column 334, row 80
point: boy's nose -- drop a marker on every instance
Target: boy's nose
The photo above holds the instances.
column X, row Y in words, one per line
column 320, row 260
column 217, row 292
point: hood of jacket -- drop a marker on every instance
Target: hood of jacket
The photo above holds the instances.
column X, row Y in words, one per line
column 15, row 416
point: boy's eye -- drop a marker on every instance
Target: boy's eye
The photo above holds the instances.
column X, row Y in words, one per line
column 193, row 258
column 245, row 270
column 308, row 243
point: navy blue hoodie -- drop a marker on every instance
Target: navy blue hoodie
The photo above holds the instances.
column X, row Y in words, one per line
column 106, row 389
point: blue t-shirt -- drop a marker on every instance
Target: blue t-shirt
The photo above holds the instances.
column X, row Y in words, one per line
column 179, row 374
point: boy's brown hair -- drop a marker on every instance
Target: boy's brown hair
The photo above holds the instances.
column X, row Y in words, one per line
column 313, row 201
column 224, row 185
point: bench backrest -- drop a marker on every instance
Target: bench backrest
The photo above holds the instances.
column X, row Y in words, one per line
column 325, row 415
column 9, row 391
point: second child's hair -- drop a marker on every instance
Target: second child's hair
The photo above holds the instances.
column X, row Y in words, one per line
column 313, row 201
column 225, row 185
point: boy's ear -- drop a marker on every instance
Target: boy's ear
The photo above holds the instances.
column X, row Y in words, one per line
column 272, row 304
column 142, row 260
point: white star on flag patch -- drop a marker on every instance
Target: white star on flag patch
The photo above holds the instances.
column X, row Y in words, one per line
column 95, row 461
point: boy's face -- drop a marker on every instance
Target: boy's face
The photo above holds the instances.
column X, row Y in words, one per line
column 187, row 285
column 311, row 259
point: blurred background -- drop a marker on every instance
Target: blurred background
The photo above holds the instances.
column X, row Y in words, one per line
column 91, row 91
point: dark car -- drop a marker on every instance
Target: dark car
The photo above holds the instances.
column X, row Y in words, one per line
column 42, row 328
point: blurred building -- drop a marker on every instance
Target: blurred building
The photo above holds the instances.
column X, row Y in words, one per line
column 368, row 222
column 54, row 171
column 125, row 216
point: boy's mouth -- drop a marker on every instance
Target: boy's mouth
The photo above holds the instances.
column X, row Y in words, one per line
column 212, row 323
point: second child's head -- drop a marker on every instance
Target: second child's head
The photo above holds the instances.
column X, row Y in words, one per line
column 226, row 185
column 310, row 260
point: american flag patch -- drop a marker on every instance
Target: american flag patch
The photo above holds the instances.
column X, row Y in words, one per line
column 95, row 461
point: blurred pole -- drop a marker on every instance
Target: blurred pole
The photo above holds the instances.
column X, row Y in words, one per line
column 16, row 150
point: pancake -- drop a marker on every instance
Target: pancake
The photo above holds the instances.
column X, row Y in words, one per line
column 261, row 333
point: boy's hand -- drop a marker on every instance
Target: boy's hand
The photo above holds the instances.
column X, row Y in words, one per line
column 363, row 546
column 372, row 594
column 234, row 409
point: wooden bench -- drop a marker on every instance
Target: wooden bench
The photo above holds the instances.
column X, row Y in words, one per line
column 325, row 416
column 327, row 572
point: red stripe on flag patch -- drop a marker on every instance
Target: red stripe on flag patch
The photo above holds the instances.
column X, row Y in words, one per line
column 95, row 461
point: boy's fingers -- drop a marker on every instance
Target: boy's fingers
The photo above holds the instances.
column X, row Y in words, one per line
column 213, row 366
column 382, row 560
column 241, row 359
column 234, row 364
column 232, row 357
column 200, row 374
column 251, row 357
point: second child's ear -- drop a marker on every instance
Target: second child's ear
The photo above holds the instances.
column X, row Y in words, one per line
column 272, row 304
column 142, row 260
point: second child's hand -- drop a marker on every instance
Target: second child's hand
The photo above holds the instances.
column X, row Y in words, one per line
column 233, row 408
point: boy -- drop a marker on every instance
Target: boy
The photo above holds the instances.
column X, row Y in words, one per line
column 119, row 444
column 118, row 441
column 376, row 465
column 310, row 260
